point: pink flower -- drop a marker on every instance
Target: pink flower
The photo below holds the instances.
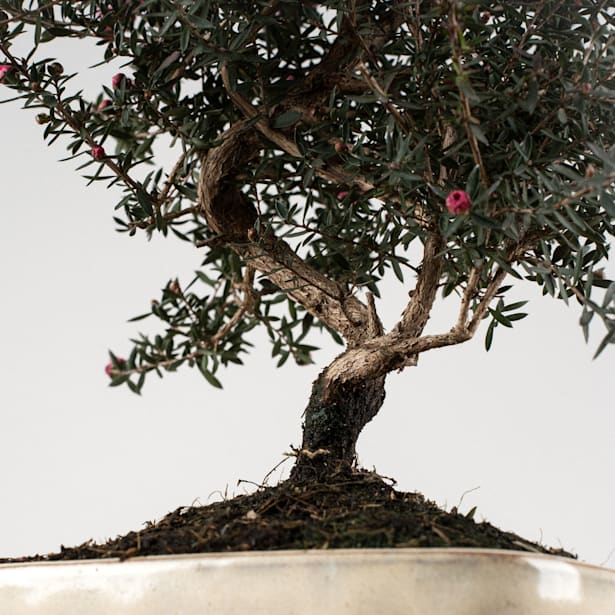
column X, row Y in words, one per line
column 110, row 368
column 290, row 77
column 458, row 202
column 342, row 195
column 103, row 104
column 117, row 79
column 4, row 69
column 98, row 152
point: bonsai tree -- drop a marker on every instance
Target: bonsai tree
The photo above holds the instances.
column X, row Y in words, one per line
column 324, row 149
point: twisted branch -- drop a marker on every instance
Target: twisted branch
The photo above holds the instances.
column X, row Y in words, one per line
column 232, row 216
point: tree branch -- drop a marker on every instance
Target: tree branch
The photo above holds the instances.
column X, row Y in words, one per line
column 384, row 354
column 232, row 216
column 468, row 118
column 395, row 350
column 468, row 293
column 488, row 296
column 415, row 316
column 320, row 296
column 384, row 98
column 398, row 349
column 244, row 305
column 333, row 173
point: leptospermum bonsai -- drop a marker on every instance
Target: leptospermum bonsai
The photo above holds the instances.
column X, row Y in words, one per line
column 325, row 150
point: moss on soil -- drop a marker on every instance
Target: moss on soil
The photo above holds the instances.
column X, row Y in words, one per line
column 350, row 510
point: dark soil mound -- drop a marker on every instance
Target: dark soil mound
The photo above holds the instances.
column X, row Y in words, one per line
column 355, row 509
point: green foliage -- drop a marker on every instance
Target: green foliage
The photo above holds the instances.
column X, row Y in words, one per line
column 370, row 90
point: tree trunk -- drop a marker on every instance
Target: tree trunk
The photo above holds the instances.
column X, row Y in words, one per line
column 334, row 418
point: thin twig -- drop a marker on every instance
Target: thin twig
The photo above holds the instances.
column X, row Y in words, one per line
column 245, row 305
column 384, row 98
column 488, row 296
column 332, row 173
column 172, row 176
column 351, row 242
column 468, row 293
column 468, row 118
column 172, row 215
column 587, row 189
column 583, row 300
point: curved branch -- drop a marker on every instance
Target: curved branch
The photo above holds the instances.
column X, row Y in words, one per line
column 232, row 216
column 227, row 210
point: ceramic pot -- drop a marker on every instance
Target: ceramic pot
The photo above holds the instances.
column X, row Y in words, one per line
column 335, row 582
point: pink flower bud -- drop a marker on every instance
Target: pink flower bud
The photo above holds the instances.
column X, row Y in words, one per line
column 458, row 202
column 117, row 79
column 103, row 104
column 110, row 368
column 4, row 69
column 290, row 77
column 98, row 152
column 342, row 195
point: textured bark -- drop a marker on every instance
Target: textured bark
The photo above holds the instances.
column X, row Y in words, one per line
column 228, row 211
column 333, row 420
column 350, row 392
column 319, row 295
column 232, row 216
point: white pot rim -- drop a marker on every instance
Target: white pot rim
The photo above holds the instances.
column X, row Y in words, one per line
column 417, row 552
column 455, row 581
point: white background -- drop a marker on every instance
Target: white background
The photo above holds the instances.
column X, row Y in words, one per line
column 532, row 423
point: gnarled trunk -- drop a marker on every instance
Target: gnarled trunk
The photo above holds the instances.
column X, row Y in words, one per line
column 333, row 420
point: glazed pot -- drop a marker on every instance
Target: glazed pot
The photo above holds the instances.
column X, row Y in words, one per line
column 340, row 582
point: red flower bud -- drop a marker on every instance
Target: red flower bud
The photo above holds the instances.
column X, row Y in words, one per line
column 4, row 69
column 458, row 202
column 110, row 368
column 103, row 104
column 98, row 152
column 117, row 79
